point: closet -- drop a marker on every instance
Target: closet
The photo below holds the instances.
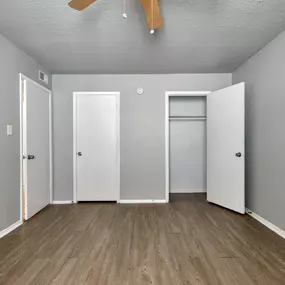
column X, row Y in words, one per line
column 204, row 138
column 187, row 144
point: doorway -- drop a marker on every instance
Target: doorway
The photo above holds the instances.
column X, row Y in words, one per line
column 96, row 130
column 187, row 144
column 35, row 147
column 223, row 135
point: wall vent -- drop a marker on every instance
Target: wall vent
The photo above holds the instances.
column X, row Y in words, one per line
column 43, row 77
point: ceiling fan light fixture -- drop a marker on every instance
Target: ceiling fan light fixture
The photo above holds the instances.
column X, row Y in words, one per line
column 151, row 8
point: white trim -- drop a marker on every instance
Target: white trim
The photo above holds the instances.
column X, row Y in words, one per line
column 11, row 228
column 62, row 202
column 74, row 149
column 21, row 146
column 266, row 223
column 190, row 191
column 187, row 93
column 97, row 93
column 167, row 95
column 163, row 201
column 50, row 149
column 23, row 78
column 118, row 97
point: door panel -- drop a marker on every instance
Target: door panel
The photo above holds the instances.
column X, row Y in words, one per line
column 225, row 148
column 97, row 148
column 36, row 149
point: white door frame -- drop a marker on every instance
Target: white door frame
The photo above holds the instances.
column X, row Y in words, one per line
column 22, row 86
column 169, row 94
column 75, row 94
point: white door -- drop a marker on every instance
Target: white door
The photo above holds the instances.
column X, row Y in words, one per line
column 36, row 148
column 97, row 147
column 225, row 148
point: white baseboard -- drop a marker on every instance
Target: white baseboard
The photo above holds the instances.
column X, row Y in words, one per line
column 62, row 202
column 10, row 229
column 142, row 201
column 269, row 225
column 186, row 191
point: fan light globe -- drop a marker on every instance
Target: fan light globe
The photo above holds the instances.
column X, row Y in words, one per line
column 151, row 32
column 125, row 16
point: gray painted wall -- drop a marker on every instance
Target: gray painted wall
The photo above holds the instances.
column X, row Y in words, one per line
column 142, row 126
column 13, row 61
column 264, row 75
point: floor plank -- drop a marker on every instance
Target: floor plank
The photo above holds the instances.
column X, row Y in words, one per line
column 185, row 242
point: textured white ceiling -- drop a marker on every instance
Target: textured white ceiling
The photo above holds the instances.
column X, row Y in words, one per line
column 199, row 36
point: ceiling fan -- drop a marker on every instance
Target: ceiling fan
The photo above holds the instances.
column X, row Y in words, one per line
column 151, row 8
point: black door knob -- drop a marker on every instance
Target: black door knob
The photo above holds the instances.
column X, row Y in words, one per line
column 30, row 156
column 238, row 154
column 79, row 153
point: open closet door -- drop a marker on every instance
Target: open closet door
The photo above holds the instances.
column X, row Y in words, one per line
column 225, row 148
column 37, row 149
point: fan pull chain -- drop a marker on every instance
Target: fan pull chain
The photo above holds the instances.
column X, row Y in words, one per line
column 152, row 18
column 125, row 10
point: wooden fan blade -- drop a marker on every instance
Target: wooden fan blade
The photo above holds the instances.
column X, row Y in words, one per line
column 80, row 5
column 152, row 13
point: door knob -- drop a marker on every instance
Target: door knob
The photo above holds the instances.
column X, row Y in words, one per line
column 238, row 154
column 30, row 156
column 79, row 153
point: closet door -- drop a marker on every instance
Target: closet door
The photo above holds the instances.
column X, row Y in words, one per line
column 225, row 148
column 36, row 147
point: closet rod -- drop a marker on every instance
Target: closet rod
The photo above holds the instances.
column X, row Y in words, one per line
column 188, row 118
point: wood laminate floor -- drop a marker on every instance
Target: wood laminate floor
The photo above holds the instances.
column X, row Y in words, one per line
column 185, row 242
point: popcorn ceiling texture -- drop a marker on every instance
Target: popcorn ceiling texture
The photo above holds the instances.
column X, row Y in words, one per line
column 199, row 36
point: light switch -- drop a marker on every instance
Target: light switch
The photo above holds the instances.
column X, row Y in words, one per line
column 9, row 130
